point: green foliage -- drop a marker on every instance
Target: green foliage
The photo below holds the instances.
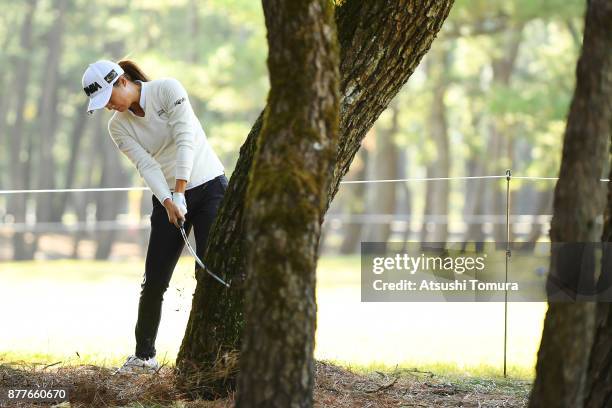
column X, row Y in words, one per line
column 531, row 109
column 471, row 11
column 218, row 49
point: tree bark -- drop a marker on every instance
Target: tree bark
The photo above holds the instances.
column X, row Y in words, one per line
column 285, row 204
column 381, row 43
column 599, row 34
column 579, row 199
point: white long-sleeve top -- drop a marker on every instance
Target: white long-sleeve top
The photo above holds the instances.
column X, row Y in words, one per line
column 168, row 142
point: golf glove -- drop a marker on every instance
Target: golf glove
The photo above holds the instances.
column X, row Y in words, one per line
column 179, row 200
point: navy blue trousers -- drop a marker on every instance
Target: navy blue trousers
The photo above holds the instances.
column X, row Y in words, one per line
column 163, row 252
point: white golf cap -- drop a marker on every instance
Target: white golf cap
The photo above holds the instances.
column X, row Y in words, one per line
column 98, row 81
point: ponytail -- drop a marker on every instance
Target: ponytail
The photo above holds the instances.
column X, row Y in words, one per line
column 133, row 71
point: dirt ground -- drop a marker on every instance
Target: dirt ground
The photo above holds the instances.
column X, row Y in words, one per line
column 93, row 386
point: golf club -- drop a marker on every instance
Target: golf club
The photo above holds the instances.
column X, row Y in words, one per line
column 197, row 258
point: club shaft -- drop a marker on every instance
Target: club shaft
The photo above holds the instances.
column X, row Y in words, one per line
column 198, row 259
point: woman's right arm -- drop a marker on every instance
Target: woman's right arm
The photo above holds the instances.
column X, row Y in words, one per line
column 149, row 170
column 146, row 165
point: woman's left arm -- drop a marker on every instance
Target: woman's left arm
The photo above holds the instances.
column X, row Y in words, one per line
column 180, row 116
column 180, row 185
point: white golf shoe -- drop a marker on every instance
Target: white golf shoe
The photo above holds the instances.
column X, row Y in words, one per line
column 135, row 365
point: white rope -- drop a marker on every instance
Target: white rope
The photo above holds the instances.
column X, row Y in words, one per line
column 144, row 224
column 545, row 178
column 420, row 179
column 79, row 226
column 74, row 190
column 77, row 190
column 438, row 218
column 536, row 178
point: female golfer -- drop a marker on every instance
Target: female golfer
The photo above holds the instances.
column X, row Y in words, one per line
column 156, row 128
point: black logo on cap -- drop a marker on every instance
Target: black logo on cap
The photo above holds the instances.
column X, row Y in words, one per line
column 110, row 76
column 91, row 88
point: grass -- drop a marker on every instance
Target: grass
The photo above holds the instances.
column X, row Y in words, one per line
column 83, row 312
column 335, row 386
column 446, row 370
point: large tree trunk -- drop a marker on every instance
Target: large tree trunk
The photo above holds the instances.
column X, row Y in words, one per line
column 381, row 43
column 286, row 200
column 579, row 199
column 599, row 375
column 598, row 31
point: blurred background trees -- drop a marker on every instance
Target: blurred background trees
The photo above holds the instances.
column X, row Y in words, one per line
column 492, row 94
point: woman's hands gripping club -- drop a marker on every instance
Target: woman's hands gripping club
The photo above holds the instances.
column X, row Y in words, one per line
column 176, row 209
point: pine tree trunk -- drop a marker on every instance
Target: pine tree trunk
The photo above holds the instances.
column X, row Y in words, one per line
column 599, row 376
column 381, row 43
column 579, row 199
column 285, row 204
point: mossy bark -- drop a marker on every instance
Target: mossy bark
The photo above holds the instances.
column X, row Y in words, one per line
column 285, row 203
column 381, row 44
column 561, row 370
column 599, row 375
